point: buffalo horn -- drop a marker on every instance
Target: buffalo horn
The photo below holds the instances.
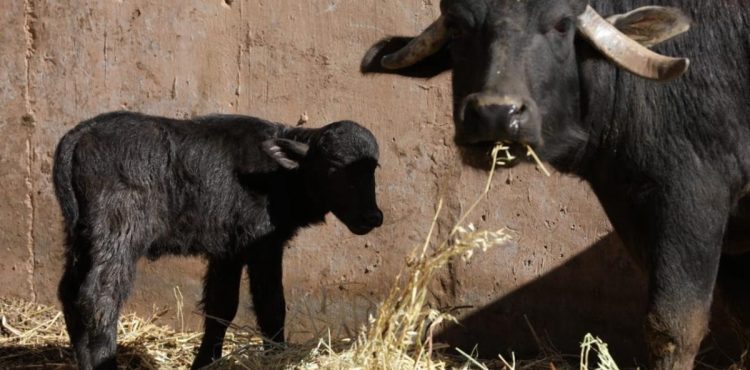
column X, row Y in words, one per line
column 626, row 52
column 422, row 46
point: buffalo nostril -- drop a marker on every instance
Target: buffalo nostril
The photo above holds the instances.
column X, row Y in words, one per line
column 517, row 110
column 516, row 117
column 514, row 127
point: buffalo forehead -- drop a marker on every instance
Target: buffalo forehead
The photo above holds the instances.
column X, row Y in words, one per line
column 490, row 12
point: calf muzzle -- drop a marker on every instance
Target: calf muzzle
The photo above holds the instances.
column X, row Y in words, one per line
column 366, row 222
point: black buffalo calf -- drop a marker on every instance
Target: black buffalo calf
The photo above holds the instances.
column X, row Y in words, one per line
column 233, row 189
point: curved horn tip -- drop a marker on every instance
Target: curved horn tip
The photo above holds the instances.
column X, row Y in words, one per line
column 366, row 65
column 427, row 43
column 675, row 70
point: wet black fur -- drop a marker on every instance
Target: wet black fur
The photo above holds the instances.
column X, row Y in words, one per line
column 670, row 162
column 132, row 185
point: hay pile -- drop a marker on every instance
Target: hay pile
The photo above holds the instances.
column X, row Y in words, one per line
column 33, row 336
column 400, row 335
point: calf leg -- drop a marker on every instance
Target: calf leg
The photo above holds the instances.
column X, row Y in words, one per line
column 220, row 299
column 68, row 292
column 266, row 287
column 116, row 243
column 684, row 239
column 102, row 294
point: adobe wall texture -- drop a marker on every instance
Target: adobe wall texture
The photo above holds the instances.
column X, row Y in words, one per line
column 62, row 61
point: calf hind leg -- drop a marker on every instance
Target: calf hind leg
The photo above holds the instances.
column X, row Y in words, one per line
column 102, row 295
column 220, row 300
column 68, row 292
column 102, row 292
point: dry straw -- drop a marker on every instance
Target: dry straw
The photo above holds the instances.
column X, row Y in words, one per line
column 33, row 336
column 605, row 360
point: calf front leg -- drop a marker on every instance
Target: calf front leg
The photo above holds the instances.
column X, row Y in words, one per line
column 684, row 236
column 221, row 287
column 267, row 290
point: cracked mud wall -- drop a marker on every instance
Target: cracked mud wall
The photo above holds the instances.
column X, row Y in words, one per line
column 15, row 162
column 62, row 61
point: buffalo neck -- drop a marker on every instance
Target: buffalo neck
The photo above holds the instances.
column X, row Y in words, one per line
column 291, row 201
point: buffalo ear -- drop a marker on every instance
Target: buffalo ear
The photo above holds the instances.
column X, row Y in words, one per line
column 287, row 153
column 430, row 66
column 651, row 25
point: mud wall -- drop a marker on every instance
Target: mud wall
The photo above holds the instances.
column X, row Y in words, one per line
column 63, row 61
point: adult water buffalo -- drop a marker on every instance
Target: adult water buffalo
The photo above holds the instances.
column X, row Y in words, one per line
column 670, row 162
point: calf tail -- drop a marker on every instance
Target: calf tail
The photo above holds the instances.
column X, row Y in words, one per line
column 62, row 175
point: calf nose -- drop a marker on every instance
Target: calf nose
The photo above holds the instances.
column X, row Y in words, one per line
column 497, row 118
column 374, row 218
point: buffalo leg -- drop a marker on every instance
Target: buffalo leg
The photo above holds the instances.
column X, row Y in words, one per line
column 221, row 288
column 734, row 280
column 734, row 271
column 684, row 234
column 267, row 290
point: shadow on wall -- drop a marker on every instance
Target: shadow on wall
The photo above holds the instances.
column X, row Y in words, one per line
column 559, row 308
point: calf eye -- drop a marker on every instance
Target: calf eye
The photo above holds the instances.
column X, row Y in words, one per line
column 564, row 26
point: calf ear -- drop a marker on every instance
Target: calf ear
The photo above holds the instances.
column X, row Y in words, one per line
column 430, row 66
column 651, row 25
column 287, row 153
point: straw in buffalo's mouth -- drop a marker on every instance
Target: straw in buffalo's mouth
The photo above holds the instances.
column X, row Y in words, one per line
column 507, row 157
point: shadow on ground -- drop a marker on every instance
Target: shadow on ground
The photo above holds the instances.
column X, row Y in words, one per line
column 601, row 292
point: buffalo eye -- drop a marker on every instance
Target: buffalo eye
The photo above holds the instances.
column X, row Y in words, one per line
column 564, row 26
